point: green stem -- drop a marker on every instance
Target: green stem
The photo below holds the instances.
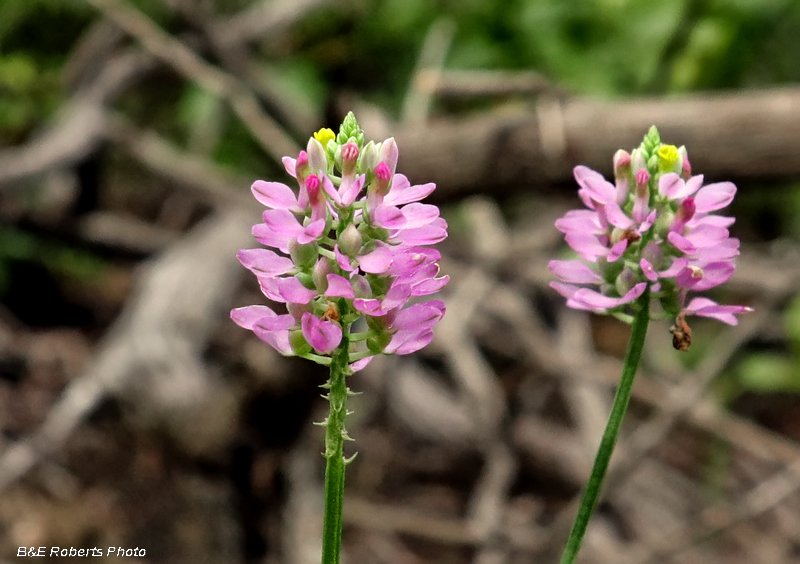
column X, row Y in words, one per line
column 609, row 440
column 335, row 435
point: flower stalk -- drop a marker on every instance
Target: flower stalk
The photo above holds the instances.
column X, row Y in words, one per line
column 621, row 399
column 335, row 435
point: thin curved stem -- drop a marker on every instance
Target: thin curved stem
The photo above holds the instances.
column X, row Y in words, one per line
column 609, row 440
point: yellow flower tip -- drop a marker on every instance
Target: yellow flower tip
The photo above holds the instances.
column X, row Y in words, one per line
column 667, row 158
column 325, row 135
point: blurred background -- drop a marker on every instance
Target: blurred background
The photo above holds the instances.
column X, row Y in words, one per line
column 134, row 413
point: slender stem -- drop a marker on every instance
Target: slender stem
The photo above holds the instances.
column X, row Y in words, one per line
column 609, row 440
column 335, row 435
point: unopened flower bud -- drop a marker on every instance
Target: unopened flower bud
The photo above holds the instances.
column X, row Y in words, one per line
column 349, row 155
column 350, row 241
column 622, row 162
column 638, row 161
column 319, row 274
column 625, row 281
column 361, row 287
column 669, row 160
column 303, row 255
column 317, row 158
column 324, row 136
column 686, row 169
column 383, row 175
column 302, row 169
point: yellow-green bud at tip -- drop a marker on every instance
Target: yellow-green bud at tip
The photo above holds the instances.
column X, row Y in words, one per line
column 324, row 135
column 667, row 158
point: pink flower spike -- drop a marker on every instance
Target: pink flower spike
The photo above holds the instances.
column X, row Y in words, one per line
column 324, row 336
column 275, row 195
column 573, row 272
column 339, row 286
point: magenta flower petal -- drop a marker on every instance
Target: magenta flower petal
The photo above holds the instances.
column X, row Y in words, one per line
column 248, row 316
column 361, row 364
column 342, row 260
column 350, row 188
column 278, row 340
column 410, row 259
column 709, row 308
column 429, row 286
column 617, row 217
column 681, row 243
column 292, row 290
column 566, row 290
column 275, row 195
column 311, row 232
column 388, row 217
column 402, row 192
column 617, row 250
column 324, row 336
column 425, row 314
column 715, row 196
column 408, row 342
column 689, row 277
column 389, row 153
column 648, row 270
column 269, row 237
column 377, row 261
column 580, row 221
column 714, row 274
column 595, row 186
column 419, row 215
column 428, row 235
column 339, row 286
column 598, row 302
column 290, row 165
column 265, row 262
column 706, row 235
column 574, row 272
column 586, row 245
column 282, row 222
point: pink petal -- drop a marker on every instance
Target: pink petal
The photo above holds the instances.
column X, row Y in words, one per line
column 388, row 217
column 248, row 316
column 407, row 343
column 330, row 190
column 714, row 274
column 279, row 340
column 324, row 336
column 402, row 192
column 267, row 236
column 275, row 195
column 339, row 286
column 706, row 235
column 428, row 235
column 586, row 245
column 581, row 221
column 419, row 215
column 317, row 159
column 290, row 165
column 598, row 302
column 715, row 196
column 708, row 308
column 429, row 286
column 350, row 189
column 566, row 290
column 361, row 364
column 648, row 270
column 425, row 314
column 574, row 272
column 377, row 261
column 342, row 260
column 617, row 217
column 311, row 232
column 617, row 250
column 597, row 187
column 265, row 262
column 282, row 222
column 681, row 243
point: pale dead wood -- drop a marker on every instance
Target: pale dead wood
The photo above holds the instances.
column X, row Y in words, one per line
column 742, row 134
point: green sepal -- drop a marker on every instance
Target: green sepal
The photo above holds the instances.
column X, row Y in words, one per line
column 304, row 255
column 298, row 343
column 378, row 342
